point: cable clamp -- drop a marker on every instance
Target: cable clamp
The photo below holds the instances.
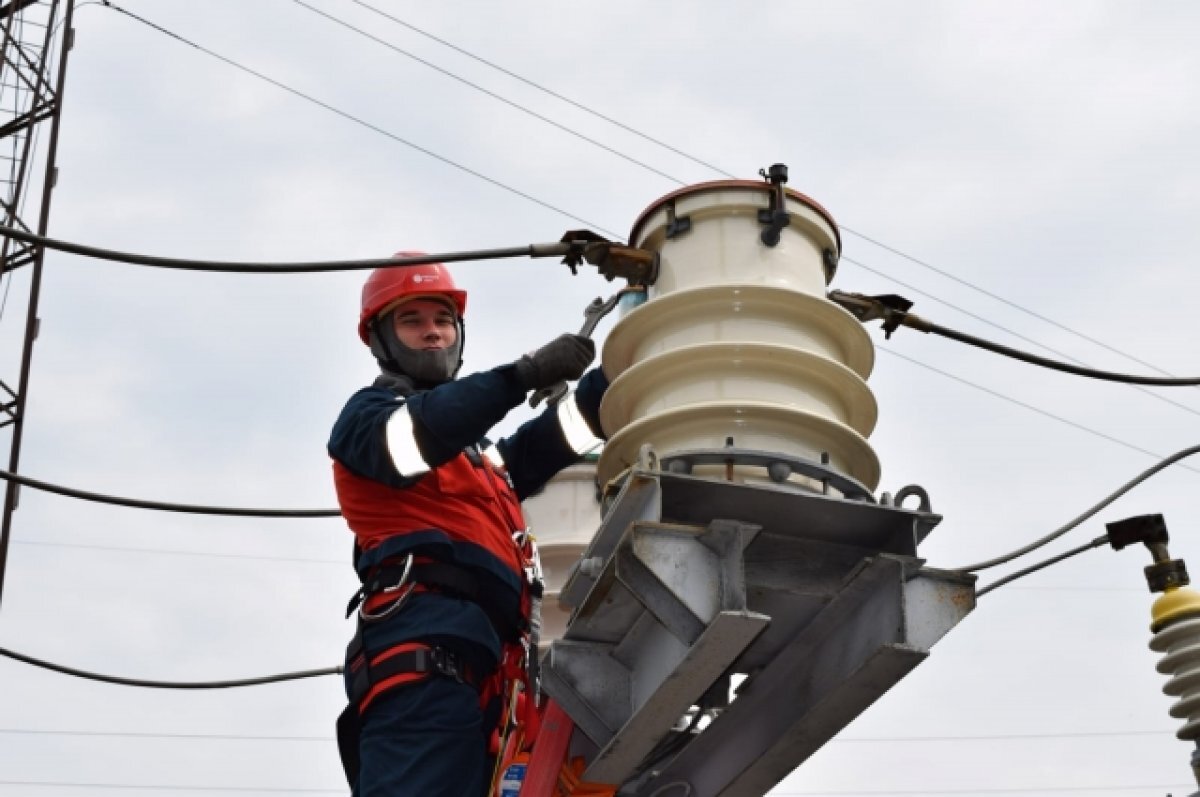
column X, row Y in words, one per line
column 890, row 308
column 639, row 267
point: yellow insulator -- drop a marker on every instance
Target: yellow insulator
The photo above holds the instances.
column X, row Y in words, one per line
column 1174, row 604
column 1176, row 626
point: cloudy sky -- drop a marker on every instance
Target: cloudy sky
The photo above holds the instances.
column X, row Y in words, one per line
column 1031, row 168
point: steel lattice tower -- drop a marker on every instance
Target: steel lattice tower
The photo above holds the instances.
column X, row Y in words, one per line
column 30, row 98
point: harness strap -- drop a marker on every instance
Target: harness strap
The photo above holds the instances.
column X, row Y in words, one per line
column 451, row 579
column 402, row 664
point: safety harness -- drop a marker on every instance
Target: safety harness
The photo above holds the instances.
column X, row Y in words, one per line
column 412, row 573
column 384, row 592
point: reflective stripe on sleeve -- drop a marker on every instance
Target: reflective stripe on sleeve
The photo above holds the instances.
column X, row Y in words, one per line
column 578, row 434
column 402, row 445
column 493, row 455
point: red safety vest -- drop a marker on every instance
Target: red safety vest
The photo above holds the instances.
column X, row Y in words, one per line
column 472, row 505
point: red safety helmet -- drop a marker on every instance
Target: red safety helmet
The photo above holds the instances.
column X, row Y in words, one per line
column 387, row 285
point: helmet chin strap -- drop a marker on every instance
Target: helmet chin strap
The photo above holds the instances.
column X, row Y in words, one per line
column 425, row 368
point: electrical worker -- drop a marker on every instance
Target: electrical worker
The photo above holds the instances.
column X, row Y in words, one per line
column 440, row 543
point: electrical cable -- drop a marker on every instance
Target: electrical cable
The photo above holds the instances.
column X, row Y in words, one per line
column 578, row 105
column 1034, row 359
column 1054, row 535
column 556, row 249
column 893, row 312
column 193, row 509
column 836, row 740
column 997, row 348
column 488, row 92
column 1002, row 300
column 1012, row 577
column 964, row 791
column 1096, row 543
column 168, row 787
column 167, row 552
column 226, row 737
column 1007, row 330
column 351, row 117
column 322, row 513
column 983, row 790
column 149, row 684
column 341, row 563
column 725, row 173
column 1030, row 407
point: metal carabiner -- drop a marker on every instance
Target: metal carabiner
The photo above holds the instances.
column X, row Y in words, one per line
column 395, row 605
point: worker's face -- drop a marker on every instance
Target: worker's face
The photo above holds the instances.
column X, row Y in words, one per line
column 425, row 324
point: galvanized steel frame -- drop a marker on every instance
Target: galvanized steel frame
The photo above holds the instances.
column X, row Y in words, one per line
column 821, row 602
column 28, row 65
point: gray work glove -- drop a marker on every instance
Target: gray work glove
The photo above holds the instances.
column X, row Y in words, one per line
column 564, row 358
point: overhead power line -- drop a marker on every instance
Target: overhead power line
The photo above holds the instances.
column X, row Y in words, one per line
column 717, row 169
column 995, row 393
column 168, row 787
column 939, row 330
column 1087, row 514
column 1141, row 787
column 1033, row 359
column 315, row 513
column 151, row 684
column 193, row 509
column 1009, row 302
column 893, row 312
column 1030, row 407
column 994, row 737
column 1008, row 330
column 343, row 563
column 170, row 552
column 515, row 105
column 578, row 105
column 360, row 121
column 969, row 790
column 555, row 249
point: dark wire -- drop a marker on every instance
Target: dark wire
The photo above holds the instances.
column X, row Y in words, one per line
column 1054, row 535
column 1031, row 358
column 489, row 93
column 1002, row 328
column 1096, row 543
column 1034, row 359
column 1031, row 407
column 193, row 509
column 529, row 250
column 549, row 92
column 374, row 128
column 723, row 172
column 114, row 679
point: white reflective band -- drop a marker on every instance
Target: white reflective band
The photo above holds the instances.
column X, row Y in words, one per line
column 574, row 428
column 406, row 457
column 493, row 455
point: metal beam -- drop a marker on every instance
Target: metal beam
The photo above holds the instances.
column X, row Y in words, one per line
column 876, row 630
column 54, row 116
column 665, row 619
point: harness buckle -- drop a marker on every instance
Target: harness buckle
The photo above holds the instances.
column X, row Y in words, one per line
column 402, row 585
column 446, row 663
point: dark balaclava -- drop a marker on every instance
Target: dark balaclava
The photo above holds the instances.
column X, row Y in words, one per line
column 425, row 369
